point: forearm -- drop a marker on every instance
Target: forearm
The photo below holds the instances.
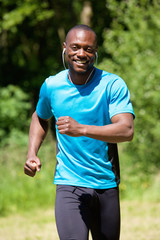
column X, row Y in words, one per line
column 120, row 130
column 38, row 131
column 113, row 133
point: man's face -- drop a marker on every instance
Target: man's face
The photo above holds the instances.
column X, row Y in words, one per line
column 80, row 48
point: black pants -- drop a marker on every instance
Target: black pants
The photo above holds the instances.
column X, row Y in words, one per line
column 80, row 209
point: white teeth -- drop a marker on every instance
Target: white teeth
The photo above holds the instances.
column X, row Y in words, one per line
column 81, row 62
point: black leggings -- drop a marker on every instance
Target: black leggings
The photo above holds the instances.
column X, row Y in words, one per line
column 80, row 209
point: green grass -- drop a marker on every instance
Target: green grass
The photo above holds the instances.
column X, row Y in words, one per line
column 27, row 204
column 140, row 220
column 20, row 193
column 137, row 182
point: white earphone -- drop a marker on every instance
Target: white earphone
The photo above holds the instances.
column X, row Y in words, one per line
column 96, row 54
column 63, row 52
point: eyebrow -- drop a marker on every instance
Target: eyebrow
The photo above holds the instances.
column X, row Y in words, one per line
column 86, row 45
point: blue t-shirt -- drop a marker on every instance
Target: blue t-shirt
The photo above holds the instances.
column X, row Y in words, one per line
column 83, row 161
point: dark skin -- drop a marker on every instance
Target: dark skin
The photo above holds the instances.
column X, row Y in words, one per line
column 38, row 131
column 80, row 47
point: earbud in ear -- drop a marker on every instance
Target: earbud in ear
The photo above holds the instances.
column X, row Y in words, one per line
column 63, row 58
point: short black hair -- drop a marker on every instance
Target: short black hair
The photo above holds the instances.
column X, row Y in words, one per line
column 82, row 27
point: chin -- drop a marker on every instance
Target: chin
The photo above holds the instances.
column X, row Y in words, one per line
column 81, row 69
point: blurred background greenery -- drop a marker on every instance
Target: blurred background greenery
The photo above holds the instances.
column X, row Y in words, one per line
column 31, row 37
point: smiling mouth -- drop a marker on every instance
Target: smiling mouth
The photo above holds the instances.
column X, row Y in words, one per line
column 81, row 61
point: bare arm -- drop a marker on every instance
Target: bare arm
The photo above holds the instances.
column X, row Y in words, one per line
column 120, row 130
column 38, row 131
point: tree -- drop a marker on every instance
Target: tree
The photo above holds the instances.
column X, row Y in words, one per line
column 133, row 52
column 14, row 109
column 31, row 36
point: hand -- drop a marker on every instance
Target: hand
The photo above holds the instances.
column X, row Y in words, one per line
column 32, row 165
column 69, row 126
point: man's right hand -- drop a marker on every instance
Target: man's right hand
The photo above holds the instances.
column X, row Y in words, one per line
column 31, row 166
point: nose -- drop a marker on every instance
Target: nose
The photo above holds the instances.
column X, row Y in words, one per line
column 81, row 53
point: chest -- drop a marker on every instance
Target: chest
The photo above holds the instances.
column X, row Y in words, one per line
column 89, row 106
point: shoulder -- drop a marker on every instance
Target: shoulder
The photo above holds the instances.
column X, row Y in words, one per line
column 56, row 79
column 111, row 77
column 52, row 82
column 110, row 80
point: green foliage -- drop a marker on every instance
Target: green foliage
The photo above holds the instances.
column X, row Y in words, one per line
column 136, row 183
column 35, row 10
column 20, row 192
column 14, row 108
column 133, row 46
column 31, row 35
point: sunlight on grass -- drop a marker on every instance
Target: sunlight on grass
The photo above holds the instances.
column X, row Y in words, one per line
column 27, row 204
column 140, row 220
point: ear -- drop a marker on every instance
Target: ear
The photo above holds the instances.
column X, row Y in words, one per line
column 64, row 47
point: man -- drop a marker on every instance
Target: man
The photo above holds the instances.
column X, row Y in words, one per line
column 93, row 113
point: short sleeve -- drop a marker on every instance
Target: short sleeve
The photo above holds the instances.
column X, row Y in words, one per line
column 119, row 100
column 43, row 108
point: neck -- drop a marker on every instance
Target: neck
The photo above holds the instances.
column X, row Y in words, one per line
column 80, row 79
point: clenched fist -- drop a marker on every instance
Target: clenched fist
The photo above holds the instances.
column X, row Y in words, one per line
column 31, row 166
column 69, row 126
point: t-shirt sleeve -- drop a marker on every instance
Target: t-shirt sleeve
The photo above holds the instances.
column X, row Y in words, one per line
column 119, row 101
column 43, row 108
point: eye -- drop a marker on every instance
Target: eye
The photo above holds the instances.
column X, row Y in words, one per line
column 74, row 48
column 89, row 49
